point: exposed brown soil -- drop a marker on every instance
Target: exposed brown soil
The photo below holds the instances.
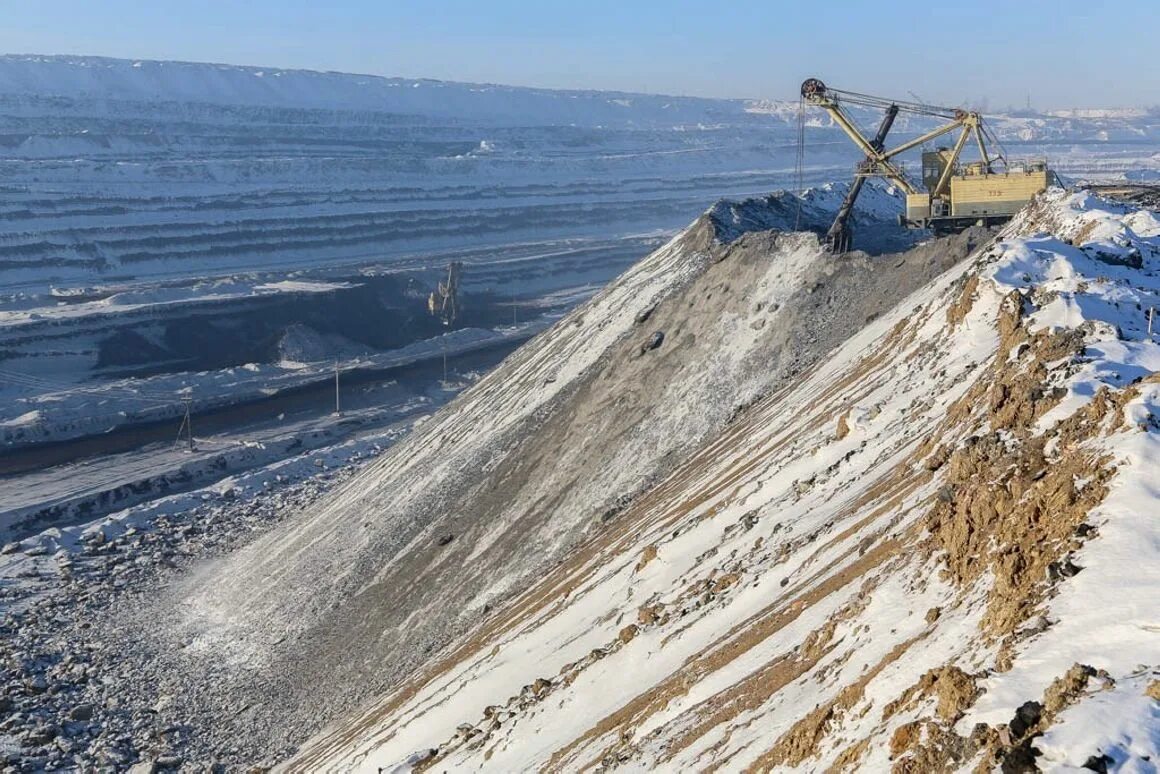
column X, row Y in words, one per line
column 849, row 759
column 954, row 689
column 756, row 689
column 843, row 428
column 962, row 306
column 732, row 645
column 1005, row 508
column 800, row 743
column 647, row 555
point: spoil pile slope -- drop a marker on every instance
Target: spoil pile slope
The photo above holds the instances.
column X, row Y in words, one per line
column 935, row 549
column 545, row 452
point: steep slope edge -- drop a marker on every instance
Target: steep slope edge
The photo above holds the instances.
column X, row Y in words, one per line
column 350, row 598
column 936, row 549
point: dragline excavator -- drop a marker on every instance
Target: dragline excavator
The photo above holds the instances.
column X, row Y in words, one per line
column 957, row 194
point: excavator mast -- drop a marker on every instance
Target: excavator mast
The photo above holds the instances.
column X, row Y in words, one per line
column 444, row 300
column 956, row 195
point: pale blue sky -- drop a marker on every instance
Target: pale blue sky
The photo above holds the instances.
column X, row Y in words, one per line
column 1064, row 53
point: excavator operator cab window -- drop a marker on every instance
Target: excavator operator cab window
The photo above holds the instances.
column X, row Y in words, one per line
column 933, row 164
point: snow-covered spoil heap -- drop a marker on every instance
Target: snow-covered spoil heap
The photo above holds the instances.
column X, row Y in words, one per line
column 491, row 493
column 935, row 549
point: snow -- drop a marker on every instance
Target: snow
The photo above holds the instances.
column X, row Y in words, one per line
column 29, row 418
column 1122, row 723
column 56, row 411
column 799, row 480
column 1104, row 616
column 125, row 301
column 118, row 209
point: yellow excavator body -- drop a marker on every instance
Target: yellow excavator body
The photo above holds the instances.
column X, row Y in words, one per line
column 996, row 193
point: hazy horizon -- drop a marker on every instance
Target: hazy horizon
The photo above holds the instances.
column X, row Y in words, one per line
column 1053, row 56
column 982, row 103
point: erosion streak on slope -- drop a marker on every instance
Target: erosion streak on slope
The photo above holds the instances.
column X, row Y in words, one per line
column 747, row 694
column 644, row 523
column 801, row 742
column 678, row 482
column 833, row 277
column 793, row 559
column 747, row 634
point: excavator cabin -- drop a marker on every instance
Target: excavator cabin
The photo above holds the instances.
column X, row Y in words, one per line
column 953, row 194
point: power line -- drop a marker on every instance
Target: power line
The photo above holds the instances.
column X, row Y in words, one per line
column 112, row 391
column 67, row 387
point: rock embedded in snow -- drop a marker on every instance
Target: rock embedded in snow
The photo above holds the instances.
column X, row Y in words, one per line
column 654, row 342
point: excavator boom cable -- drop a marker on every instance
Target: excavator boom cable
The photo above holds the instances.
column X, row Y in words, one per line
column 866, row 100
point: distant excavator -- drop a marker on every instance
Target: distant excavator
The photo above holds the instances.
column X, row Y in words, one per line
column 444, row 300
column 957, row 195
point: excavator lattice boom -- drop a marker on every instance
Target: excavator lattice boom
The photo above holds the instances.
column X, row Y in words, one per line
column 956, row 195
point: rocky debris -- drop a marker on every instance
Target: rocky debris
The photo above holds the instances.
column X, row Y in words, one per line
column 782, row 210
column 953, row 689
column 70, row 699
column 843, row 428
column 1129, row 257
column 1098, row 763
column 933, row 745
column 654, row 342
column 474, row 736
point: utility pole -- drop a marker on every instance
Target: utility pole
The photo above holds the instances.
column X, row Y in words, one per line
column 187, row 422
column 337, row 394
column 1151, row 314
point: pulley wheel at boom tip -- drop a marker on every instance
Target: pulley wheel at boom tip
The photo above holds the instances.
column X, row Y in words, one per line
column 813, row 88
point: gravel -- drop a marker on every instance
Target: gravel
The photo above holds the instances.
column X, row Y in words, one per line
column 75, row 694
